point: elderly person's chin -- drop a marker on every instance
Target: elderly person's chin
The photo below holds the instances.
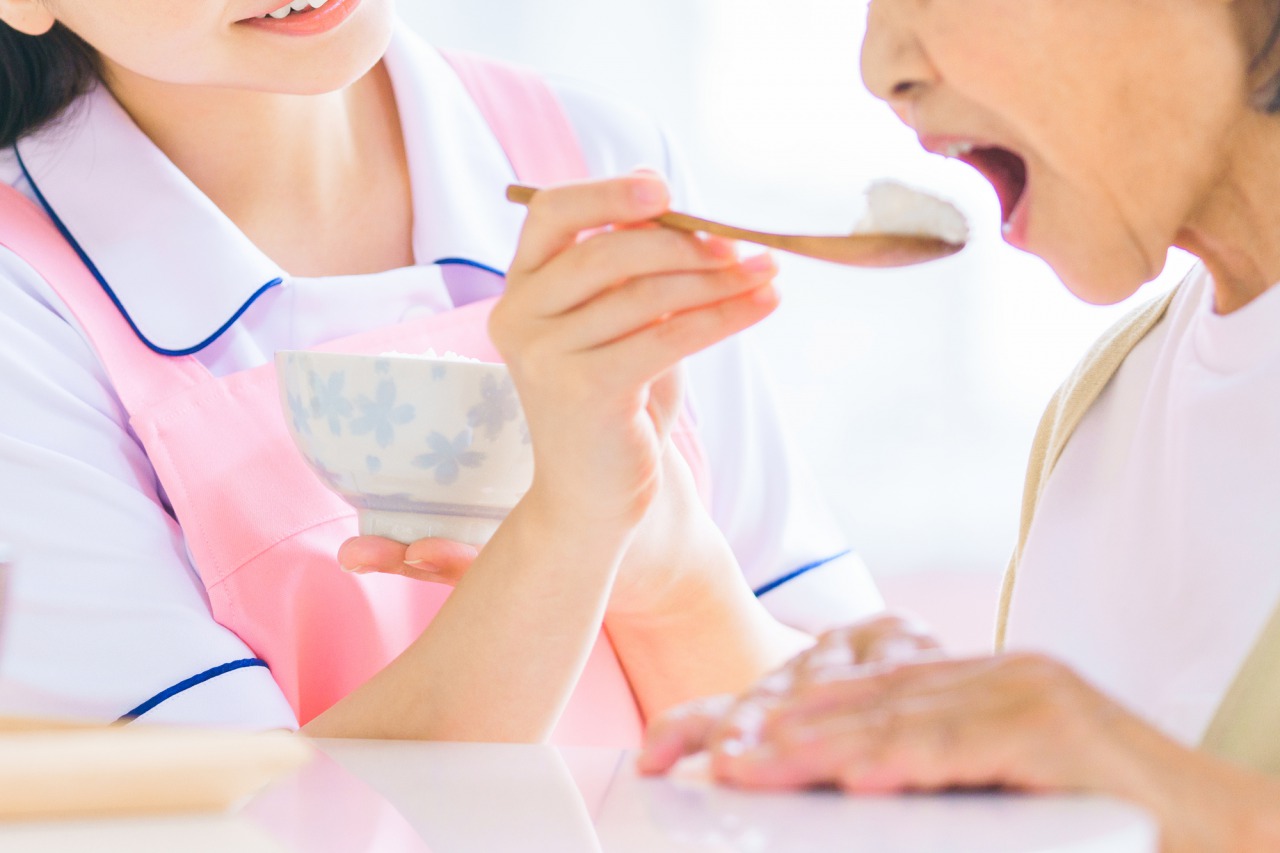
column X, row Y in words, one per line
column 1102, row 271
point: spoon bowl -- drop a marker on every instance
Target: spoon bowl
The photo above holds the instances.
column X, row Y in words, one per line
column 859, row 249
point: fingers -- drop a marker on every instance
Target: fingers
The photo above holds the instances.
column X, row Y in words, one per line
column 681, row 732
column 1011, row 721
column 559, row 214
column 431, row 560
column 366, row 554
column 644, row 302
column 583, row 271
column 654, row 349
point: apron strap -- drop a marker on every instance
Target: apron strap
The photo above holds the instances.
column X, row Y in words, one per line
column 526, row 117
column 139, row 376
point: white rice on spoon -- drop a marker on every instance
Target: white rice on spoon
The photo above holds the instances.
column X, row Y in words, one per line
column 894, row 208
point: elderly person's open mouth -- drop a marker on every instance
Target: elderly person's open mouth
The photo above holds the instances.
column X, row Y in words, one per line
column 1005, row 169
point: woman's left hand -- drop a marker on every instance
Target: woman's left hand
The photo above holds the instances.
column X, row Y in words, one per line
column 1021, row 722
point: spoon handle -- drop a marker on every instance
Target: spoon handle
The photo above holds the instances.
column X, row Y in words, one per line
column 680, row 222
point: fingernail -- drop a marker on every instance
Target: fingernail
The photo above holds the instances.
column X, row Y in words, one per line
column 718, row 247
column 357, row 570
column 648, row 193
column 763, row 263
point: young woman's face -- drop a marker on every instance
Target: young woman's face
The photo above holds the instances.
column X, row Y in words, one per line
column 1102, row 123
column 230, row 44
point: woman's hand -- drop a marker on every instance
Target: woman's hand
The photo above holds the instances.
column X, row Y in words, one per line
column 593, row 330
column 601, row 307
column 712, row 723
column 1022, row 722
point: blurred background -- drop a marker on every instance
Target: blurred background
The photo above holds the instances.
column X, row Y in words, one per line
column 914, row 393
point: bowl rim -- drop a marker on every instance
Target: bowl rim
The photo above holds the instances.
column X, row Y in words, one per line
column 402, row 358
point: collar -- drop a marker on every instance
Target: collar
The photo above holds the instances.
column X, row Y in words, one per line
column 182, row 273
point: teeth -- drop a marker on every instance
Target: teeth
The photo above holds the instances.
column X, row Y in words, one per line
column 958, row 149
column 295, row 6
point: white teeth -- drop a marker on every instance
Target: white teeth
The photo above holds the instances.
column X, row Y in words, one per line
column 958, row 149
column 295, row 6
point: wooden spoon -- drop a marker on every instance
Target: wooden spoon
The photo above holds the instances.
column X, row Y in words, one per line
column 855, row 250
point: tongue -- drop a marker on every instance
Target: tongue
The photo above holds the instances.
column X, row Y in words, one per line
column 1007, row 173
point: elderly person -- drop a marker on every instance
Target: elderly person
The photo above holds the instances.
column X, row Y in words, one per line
column 1139, row 620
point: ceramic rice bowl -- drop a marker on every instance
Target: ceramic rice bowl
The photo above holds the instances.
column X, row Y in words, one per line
column 421, row 447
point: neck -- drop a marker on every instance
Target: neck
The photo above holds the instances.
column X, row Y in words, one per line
column 288, row 170
column 1236, row 228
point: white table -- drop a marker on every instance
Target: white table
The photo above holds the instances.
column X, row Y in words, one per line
column 396, row 797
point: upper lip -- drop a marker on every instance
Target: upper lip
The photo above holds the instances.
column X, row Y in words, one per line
column 275, row 4
column 954, row 145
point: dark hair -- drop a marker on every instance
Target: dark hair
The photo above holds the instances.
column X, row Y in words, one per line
column 40, row 76
column 1264, row 75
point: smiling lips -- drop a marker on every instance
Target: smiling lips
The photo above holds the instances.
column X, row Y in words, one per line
column 304, row 17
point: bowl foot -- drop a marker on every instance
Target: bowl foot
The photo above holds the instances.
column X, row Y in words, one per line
column 408, row 527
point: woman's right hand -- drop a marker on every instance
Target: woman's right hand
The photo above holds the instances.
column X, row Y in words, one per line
column 601, row 307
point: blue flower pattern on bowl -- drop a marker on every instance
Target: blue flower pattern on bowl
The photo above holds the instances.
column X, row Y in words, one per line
column 498, row 406
column 381, row 415
column 449, row 456
column 403, row 439
column 300, row 414
column 328, row 400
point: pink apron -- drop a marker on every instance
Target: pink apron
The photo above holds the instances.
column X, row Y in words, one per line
column 262, row 530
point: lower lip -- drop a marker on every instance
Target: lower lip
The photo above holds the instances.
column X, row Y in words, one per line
column 1015, row 229
column 314, row 22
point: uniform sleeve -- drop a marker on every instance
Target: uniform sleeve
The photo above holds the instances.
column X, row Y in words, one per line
column 106, row 617
column 765, row 500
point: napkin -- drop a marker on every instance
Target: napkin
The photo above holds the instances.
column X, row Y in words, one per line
column 56, row 770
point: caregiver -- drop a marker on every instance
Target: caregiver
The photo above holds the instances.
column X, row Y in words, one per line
column 186, row 188
column 1141, row 603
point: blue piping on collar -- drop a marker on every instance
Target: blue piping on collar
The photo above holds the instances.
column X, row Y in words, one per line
column 464, row 262
column 115, row 300
column 93, row 269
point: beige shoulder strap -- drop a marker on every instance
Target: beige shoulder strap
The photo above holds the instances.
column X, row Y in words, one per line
column 1246, row 728
column 1064, row 414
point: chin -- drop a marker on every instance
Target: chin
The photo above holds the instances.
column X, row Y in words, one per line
column 1097, row 284
column 319, row 71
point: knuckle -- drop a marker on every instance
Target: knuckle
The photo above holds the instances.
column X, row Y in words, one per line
column 546, row 203
column 1035, row 669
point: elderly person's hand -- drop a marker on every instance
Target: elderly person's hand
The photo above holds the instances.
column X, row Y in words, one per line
column 711, row 723
column 1021, row 722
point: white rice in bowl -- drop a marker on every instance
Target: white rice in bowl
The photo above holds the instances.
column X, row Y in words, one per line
column 432, row 355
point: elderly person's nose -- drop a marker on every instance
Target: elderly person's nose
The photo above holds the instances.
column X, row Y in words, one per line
column 895, row 67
